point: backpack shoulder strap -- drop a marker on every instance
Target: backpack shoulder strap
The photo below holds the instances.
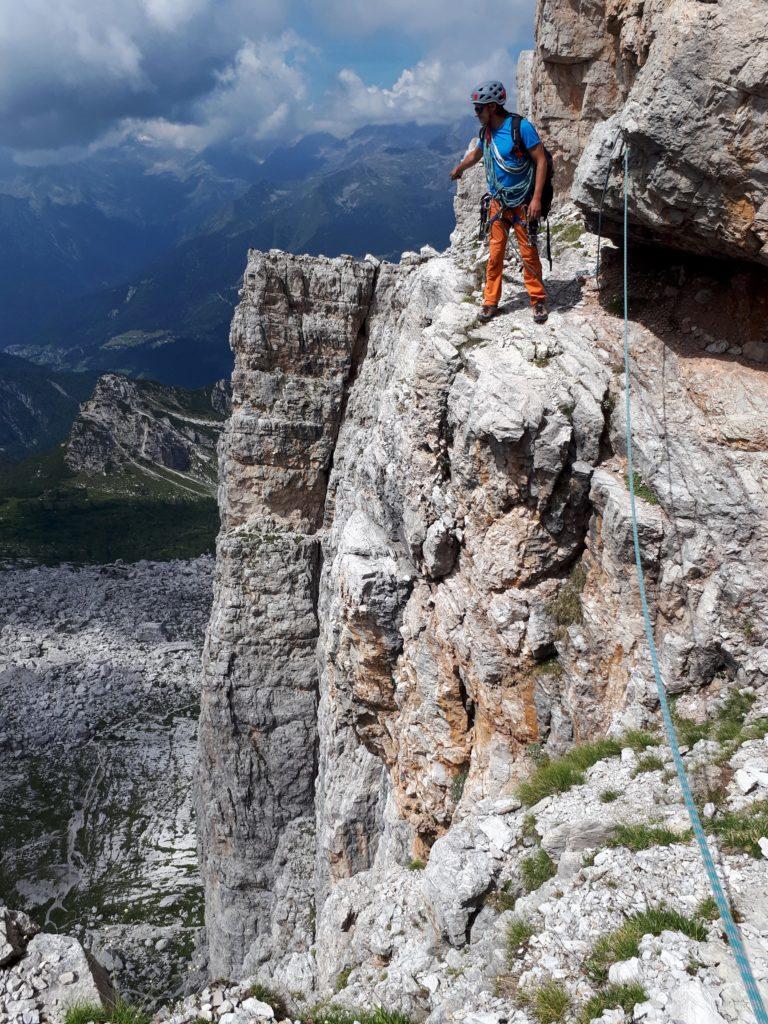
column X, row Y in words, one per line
column 517, row 135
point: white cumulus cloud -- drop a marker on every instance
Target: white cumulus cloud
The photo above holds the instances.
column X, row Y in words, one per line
column 432, row 91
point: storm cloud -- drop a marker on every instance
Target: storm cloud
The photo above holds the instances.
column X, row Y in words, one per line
column 189, row 73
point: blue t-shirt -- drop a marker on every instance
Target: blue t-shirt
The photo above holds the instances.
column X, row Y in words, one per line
column 502, row 139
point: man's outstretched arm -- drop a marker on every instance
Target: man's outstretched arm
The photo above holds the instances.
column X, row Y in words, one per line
column 469, row 161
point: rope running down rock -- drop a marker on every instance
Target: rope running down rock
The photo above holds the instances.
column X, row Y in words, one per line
column 733, row 934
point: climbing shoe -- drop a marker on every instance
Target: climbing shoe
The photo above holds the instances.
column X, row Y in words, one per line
column 540, row 313
column 487, row 313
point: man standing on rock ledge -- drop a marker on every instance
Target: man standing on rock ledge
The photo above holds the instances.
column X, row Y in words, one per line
column 516, row 182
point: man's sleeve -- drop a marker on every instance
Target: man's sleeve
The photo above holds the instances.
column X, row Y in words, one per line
column 528, row 134
column 478, row 143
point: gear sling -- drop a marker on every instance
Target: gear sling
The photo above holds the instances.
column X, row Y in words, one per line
column 508, row 198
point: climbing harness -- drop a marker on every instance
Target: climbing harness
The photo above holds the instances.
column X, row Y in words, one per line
column 733, row 934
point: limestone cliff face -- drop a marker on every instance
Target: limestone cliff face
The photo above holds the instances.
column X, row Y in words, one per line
column 169, row 434
column 425, row 577
column 684, row 83
column 426, row 567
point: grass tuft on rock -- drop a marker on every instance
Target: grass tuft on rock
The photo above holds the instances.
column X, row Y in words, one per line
column 271, row 998
column 613, row 997
column 707, row 910
column 549, row 667
column 727, row 726
column 536, row 870
column 643, row 837
column 639, row 739
column 81, row 1013
column 560, row 775
column 642, row 490
column 504, row 898
column 567, row 233
column 519, row 934
column 121, row 1013
column 609, row 795
column 331, row 1014
column 549, row 1002
column 624, row 942
column 416, row 864
column 342, row 979
column 457, row 785
column 648, row 763
column 741, row 830
column 565, row 608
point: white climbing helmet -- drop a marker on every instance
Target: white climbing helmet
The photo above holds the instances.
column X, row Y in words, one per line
column 489, row 92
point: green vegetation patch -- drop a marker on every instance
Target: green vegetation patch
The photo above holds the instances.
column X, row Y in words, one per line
column 549, row 1003
column 642, row 837
column 536, row 869
column 741, row 830
column 271, row 998
column 549, row 667
column 613, row 997
column 707, row 910
column 457, row 785
column 567, row 233
column 331, row 1014
column 648, row 763
column 416, row 864
column 121, row 1013
column 529, row 827
column 342, row 979
column 727, row 726
column 566, row 608
column 559, row 775
column 609, row 795
column 49, row 514
column 642, row 490
column 519, row 934
column 623, row 943
column 504, row 899
column 639, row 739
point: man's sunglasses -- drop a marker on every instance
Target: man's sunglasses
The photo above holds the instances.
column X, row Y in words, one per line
column 480, row 106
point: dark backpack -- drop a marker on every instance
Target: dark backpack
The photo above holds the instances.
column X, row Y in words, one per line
column 548, row 190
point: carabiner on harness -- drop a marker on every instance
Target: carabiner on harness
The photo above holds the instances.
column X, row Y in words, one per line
column 485, row 206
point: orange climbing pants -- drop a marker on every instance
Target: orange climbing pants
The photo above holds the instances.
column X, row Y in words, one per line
column 532, row 274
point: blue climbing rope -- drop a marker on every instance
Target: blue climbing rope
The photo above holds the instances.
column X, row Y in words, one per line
column 734, row 936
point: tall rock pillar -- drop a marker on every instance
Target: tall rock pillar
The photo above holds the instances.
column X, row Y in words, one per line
column 296, row 335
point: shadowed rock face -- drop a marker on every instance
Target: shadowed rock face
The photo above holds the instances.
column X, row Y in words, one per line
column 685, row 84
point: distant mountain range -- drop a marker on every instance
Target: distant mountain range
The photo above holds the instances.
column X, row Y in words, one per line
column 37, row 406
column 157, row 302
